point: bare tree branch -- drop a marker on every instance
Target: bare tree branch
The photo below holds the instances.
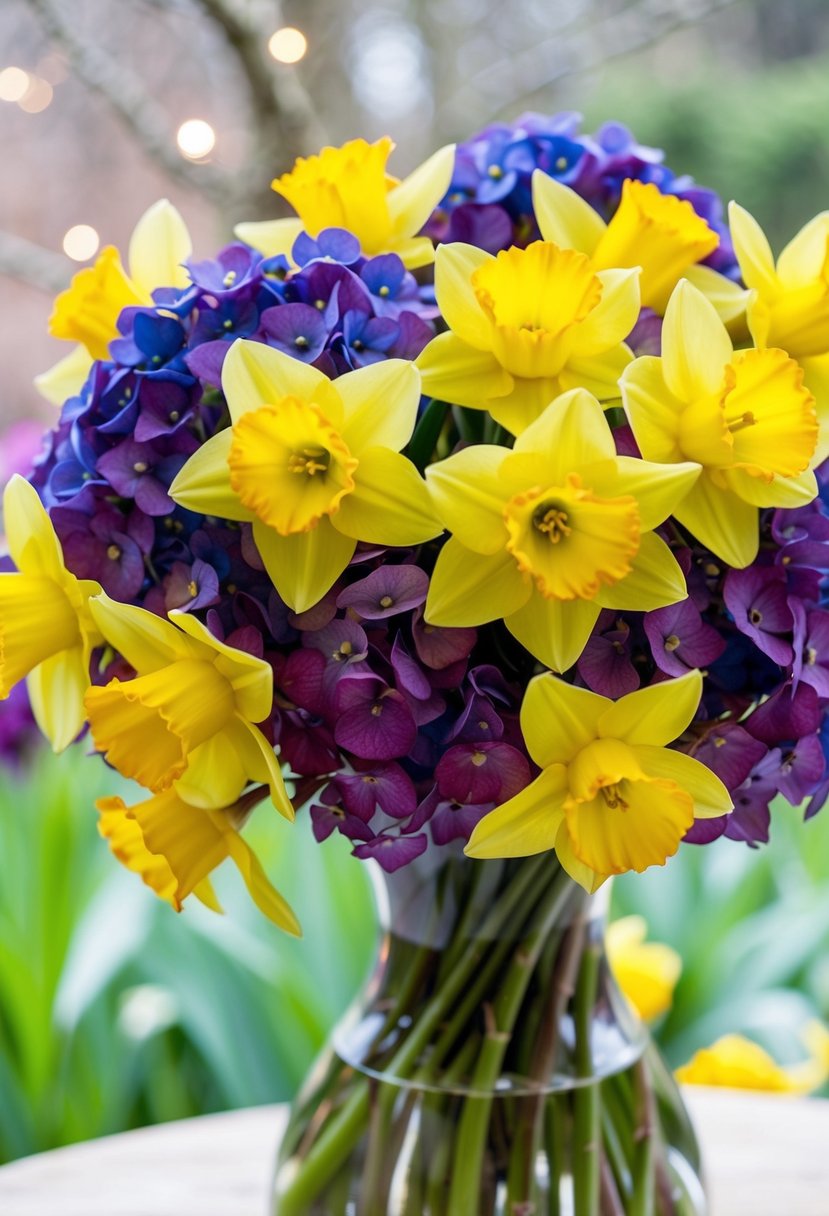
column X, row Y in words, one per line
column 514, row 79
column 32, row 264
column 127, row 97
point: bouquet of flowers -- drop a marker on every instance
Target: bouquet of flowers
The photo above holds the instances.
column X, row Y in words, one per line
column 483, row 512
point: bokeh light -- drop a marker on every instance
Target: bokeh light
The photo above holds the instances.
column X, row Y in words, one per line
column 14, row 84
column 37, row 97
column 81, row 242
column 288, row 44
column 195, row 138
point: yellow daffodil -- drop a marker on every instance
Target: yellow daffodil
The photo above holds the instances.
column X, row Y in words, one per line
column 788, row 304
column 174, row 846
column 187, row 719
column 744, row 416
column 647, row 972
column 315, row 465
column 611, row 796
column 525, row 326
column 658, row 232
column 549, row 533
column 735, row 1062
column 87, row 312
column 46, row 628
column 349, row 187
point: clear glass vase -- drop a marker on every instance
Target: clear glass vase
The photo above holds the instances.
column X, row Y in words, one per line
column 491, row 1067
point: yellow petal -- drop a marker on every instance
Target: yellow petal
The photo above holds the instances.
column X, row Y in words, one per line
column 652, row 409
column 525, row 825
column 558, row 719
column 734, row 1062
column 469, row 497
column 726, row 524
column 802, row 260
column 613, row 317
column 254, row 375
column 554, row 631
column 415, row 252
column 574, row 866
column 203, row 484
column 122, row 831
column 657, row 488
column 56, row 691
column 262, row 765
column 160, row 243
column 647, row 972
column 796, row 491
column 469, row 588
column 88, row 310
column 380, row 404
column 455, row 265
column 728, row 298
column 598, row 373
column 66, row 377
column 262, row 892
column 413, row 200
column 710, row 796
column 655, row 580
column 215, row 775
column 571, row 432
column 641, row 824
column 304, row 566
column 655, row 715
column 30, row 535
column 695, row 345
column 389, row 504
column 250, row 678
column 526, row 401
column 147, row 642
column 452, row 370
column 753, row 251
column 270, row 237
column 206, row 895
column 563, row 216
column 816, row 379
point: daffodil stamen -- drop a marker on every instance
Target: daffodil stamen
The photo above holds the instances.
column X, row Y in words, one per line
column 551, row 519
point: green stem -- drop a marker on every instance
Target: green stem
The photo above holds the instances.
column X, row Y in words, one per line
column 438, row 1109
column 587, row 1097
column 555, row 1125
column 642, row 1200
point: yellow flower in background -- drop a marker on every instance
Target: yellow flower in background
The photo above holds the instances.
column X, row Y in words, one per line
column 87, row 312
column 314, row 464
column 647, row 972
column 349, row 187
column 525, row 326
column 744, row 416
column 735, row 1062
column 47, row 631
column 549, row 533
column 611, row 796
column 788, row 305
column 187, row 720
column 658, row 232
column 174, row 846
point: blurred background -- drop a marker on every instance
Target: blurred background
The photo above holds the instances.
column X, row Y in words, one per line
column 113, row 1011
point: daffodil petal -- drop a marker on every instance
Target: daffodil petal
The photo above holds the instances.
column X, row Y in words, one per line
column 753, row 251
column 250, row 678
column 655, row 579
column 469, row 588
column 710, row 796
column 728, row 298
column 147, row 642
column 526, row 401
column 270, row 237
column 159, row 244
column 563, row 216
column 262, row 892
column 720, row 520
column 66, row 377
column 656, row 487
column 254, row 375
column 206, row 894
column 469, row 497
column 30, row 535
column 559, row 719
column 525, row 825
column 415, row 252
column 413, row 200
column 214, row 776
column 656, row 715
column 454, row 371
column 652, row 409
column 796, row 491
column 816, row 379
column 380, row 404
column 262, row 765
column 554, row 631
column 574, row 866
column 455, row 265
column 572, row 432
column 695, row 345
column 802, row 259
column 598, row 373
column 305, row 565
column 203, row 484
column 56, row 691
column 613, row 317
column 389, row 504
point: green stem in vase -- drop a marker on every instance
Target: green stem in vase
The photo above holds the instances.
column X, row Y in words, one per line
column 587, row 1097
column 642, row 1200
